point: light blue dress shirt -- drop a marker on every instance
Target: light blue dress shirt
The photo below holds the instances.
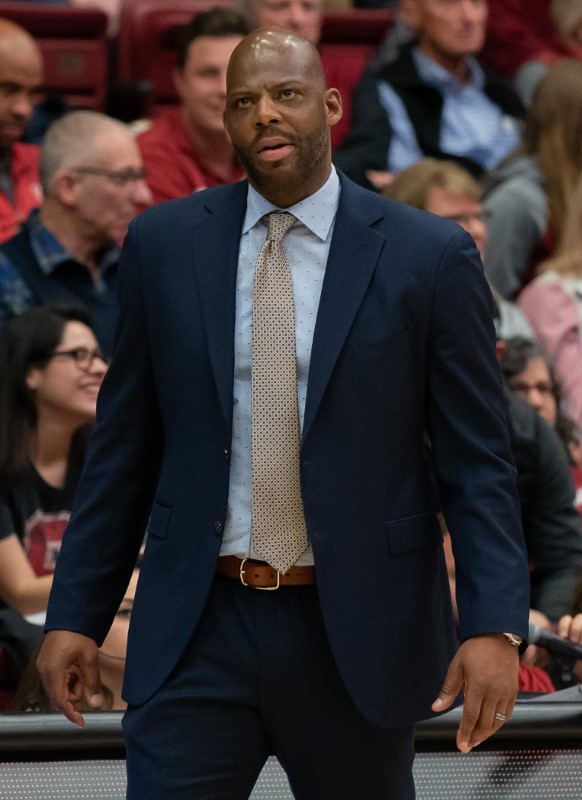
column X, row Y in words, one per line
column 472, row 125
column 307, row 247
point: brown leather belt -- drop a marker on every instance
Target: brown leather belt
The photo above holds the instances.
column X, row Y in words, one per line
column 259, row 575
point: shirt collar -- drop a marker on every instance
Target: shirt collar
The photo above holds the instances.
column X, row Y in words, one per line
column 434, row 74
column 317, row 212
column 50, row 253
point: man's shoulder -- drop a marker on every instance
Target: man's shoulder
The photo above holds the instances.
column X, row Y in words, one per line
column 391, row 216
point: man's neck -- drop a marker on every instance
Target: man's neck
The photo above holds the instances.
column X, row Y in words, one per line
column 71, row 235
column 213, row 150
column 457, row 65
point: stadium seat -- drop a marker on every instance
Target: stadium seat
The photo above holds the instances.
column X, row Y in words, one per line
column 74, row 45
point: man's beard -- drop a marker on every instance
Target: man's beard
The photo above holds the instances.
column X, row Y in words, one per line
column 310, row 151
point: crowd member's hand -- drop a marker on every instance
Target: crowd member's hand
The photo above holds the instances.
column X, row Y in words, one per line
column 68, row 664
column 380, row 179
column 570, row 627
column 486, row 668
column 535, row 656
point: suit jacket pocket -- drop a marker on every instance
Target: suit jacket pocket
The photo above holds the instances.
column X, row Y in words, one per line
column 413, row 533
column 159, row 521
column 387, row 346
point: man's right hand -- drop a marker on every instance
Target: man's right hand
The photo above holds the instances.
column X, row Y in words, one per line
column 68, row 664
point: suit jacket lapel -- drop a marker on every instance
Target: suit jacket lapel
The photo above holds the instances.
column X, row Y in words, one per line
column 216, row 240
column 353, row 255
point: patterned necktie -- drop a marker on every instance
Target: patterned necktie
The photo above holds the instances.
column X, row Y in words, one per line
column 279, row 532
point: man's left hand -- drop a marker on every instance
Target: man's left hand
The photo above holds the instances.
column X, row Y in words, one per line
column 486, row 668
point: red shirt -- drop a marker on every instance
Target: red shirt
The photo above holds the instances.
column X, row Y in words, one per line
column 173, row 167
column 26, row 189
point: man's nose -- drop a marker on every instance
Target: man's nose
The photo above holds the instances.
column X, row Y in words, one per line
column 266, row 112
column 141, row 194
column 22, row 104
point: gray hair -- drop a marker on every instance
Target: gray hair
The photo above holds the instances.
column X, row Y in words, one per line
column 71, row 142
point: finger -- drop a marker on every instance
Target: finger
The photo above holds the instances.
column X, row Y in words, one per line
column 451, row 687
column 576, row 629
column 92, row 682
column 469, row 721
column 70, row 712
column 564, row 626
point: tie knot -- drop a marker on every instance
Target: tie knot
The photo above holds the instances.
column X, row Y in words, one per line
column 279, row 224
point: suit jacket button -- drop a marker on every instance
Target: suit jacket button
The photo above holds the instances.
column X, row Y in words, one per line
column 227, row 455
column 218, row 526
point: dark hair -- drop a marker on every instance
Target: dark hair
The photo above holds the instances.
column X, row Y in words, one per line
column 218, row 22
column 27, row 341
column 518, row 353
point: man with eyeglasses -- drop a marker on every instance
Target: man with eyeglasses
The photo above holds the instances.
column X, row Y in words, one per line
column 68, row 251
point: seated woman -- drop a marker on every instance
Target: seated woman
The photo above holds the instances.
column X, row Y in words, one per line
column 553, row 305
column 51, row 369
column 529, row 372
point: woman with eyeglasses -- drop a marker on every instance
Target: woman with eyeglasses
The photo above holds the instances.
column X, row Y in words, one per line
column 51, row 369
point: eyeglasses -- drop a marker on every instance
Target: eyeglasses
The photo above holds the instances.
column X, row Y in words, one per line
column 82, row 357
column 524, row 389
column 121, row 177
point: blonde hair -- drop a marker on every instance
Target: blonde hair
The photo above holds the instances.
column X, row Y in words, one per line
column 413, row 185
column 568, row 258
column 552, row 134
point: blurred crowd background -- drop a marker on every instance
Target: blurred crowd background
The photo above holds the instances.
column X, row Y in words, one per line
column 468, row 109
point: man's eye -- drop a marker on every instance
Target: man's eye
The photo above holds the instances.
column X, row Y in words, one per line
column 242, row 102
column 287, row 94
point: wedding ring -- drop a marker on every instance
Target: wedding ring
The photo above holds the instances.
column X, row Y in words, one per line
column 500, row 717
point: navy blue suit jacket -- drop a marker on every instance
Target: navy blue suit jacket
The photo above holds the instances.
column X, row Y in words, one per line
column 403, row 346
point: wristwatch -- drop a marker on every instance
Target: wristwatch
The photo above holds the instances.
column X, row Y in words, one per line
column 513, row 639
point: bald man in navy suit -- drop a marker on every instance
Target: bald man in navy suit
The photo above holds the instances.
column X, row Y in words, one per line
column 395, row 344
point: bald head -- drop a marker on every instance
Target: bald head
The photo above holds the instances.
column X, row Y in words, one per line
column 279, row 44
column 278, row 114
column 21, row 74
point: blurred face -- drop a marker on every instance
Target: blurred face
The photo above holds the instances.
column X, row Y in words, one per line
column 66, row 388
column 201, row 84
column 535, row 386
column 450, row 28
column 21, row 75
column 300, row 16
column 461, row 209
column 278, row 114
column 115, row 643
column 110, row 188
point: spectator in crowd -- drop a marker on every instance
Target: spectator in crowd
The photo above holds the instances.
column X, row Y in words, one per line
column 525, row 37
column 448, row 190
column 530, row 374
column 30, row 694
column 528, row 195
column 67, row 252
column 185, row 149
column 553, row 304
column 301, row 16
column 21, row 73
column 433, row 100
column 48, row 394
column 51, row 368
column 111, row 7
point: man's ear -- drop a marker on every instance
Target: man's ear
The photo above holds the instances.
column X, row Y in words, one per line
column 66, row 186
column 333, row 106
column 178, row 81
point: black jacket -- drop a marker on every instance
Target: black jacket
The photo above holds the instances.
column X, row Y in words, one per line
column 366, row 146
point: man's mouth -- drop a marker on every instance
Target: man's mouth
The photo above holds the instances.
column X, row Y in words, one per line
column 274, row 150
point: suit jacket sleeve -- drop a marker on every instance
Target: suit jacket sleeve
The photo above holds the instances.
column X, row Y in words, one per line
column 109, row 518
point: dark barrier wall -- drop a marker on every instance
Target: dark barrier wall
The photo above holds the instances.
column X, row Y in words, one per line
column 536, row 756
